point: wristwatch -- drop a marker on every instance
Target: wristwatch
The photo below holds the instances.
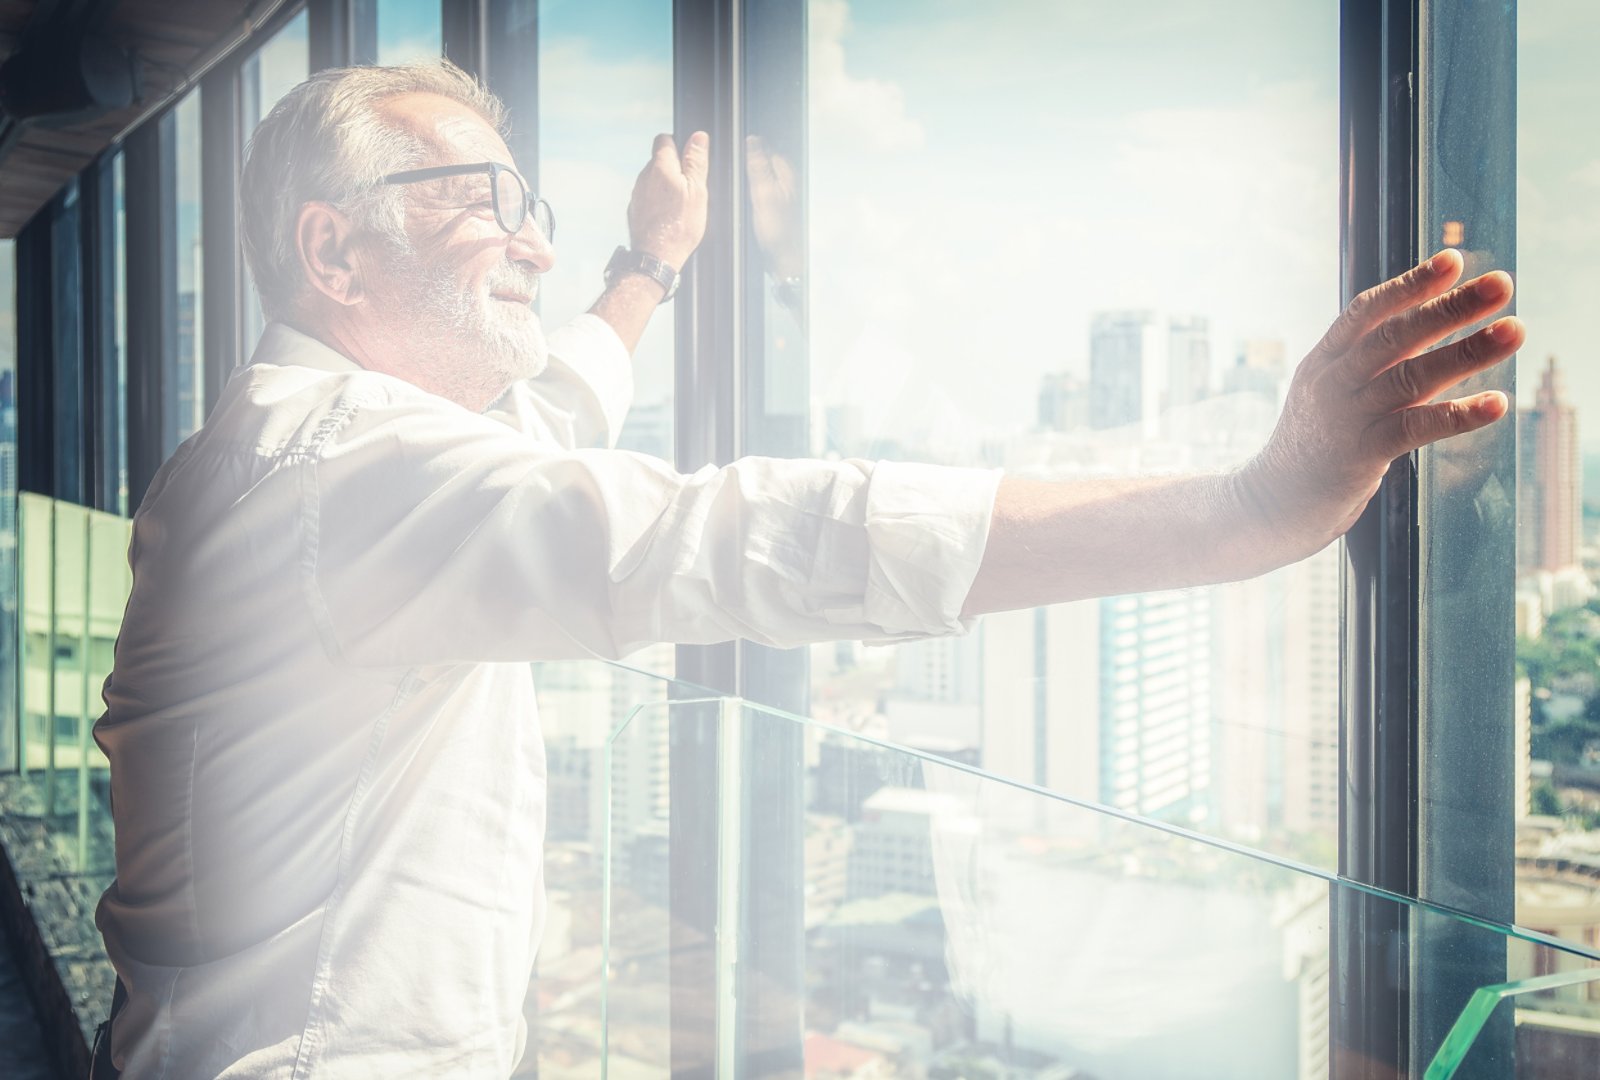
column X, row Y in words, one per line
column 624, row 261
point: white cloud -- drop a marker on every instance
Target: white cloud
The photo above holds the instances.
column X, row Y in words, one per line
column 863, row 114
column 965, row 277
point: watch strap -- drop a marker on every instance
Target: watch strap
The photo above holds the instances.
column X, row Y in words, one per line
column 625, row 261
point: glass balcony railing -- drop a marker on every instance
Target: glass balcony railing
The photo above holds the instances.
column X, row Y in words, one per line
column 73, row 586
column 934, row 920
column 959, row 925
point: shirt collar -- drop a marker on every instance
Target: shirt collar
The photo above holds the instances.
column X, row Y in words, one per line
column 284, row 346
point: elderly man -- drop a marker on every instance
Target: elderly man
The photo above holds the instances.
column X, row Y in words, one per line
column 327, row 772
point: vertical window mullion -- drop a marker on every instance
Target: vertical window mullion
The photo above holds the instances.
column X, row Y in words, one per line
column 1466, row 197
column 152, row 231
column 223, row 298
column 35, row 374
column 331, row 33
column 707, row 384
column 738, row 69
column 464, row 24
column 102, row 421
column 1370, row 1023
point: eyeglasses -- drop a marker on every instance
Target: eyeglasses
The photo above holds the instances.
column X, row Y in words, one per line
column 512, row 200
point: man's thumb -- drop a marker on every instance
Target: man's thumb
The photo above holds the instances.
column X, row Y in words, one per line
column 697, row 156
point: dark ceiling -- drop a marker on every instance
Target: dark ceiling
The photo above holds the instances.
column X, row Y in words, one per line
column 171, row 39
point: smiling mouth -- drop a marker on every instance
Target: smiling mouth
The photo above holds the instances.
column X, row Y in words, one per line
column 513, row 298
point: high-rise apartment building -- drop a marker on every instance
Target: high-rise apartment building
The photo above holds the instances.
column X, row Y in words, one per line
column 1127, row 367
column 1155, row 703
column 1108, row 700
column 1188, row 361
column 1041, row 697
column 1550, row 479
column 1144, row 366
column 1276, row 679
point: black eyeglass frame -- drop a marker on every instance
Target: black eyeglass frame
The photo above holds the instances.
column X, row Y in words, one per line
column 531, row 203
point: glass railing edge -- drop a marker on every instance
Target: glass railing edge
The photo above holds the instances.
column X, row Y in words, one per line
column 1288, row 865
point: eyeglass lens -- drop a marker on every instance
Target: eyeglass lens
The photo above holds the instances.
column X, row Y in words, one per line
column 511, row 203
column 510, row 199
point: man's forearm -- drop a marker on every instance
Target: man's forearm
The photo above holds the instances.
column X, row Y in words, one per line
column 1053, row 542
column 627, row 305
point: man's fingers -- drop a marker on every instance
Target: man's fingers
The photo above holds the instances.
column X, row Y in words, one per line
column 665, row 150
column 1408, row 333
column 1419, row 379
column 1368, row 310
column 1402, row 432
column 697, row 157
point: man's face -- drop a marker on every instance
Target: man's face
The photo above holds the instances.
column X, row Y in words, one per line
column 461, row 293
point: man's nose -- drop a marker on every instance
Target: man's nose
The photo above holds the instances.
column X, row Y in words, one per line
column 530, row 245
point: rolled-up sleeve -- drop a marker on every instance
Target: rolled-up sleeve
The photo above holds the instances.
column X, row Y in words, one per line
column 436, row 536
column 582, row 397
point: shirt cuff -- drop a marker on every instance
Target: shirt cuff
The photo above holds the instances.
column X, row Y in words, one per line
column 589, row 348
column 927, row 526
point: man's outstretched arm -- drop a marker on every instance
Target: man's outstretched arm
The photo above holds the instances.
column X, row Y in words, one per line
column 1358, row 401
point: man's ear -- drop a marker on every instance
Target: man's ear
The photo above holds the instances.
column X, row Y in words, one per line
column 324, row 240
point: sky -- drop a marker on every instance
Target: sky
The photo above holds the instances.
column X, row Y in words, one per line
column 1558, row 199
column 983, row 178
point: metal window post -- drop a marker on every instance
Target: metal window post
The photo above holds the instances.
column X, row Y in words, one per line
column 1370, row 1012
column 101, row 422
column 151, row 168
column 1467, row 503
column 738, row 70
column 221, row 153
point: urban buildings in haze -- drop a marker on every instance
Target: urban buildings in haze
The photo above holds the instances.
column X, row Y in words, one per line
column 1550, row 480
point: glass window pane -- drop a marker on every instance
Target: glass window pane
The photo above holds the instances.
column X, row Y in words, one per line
column 185, row 386
column 1008, row 265
column 409, row 30
column 8, row 504
column 605, row 91
column 264, row 77
column 1556, row 766
column 604, row 96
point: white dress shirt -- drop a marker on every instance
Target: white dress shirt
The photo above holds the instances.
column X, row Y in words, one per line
column 326, row 768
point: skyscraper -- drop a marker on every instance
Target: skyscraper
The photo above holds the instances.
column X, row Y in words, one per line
column 1550, row 480
column 1106, row 699
column 1188, row 361
column 1127, row 367
column 1143, row 367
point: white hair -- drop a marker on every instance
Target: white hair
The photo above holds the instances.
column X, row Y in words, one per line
column 326, row 140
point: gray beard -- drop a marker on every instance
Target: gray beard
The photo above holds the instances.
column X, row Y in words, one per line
column 471, row 346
